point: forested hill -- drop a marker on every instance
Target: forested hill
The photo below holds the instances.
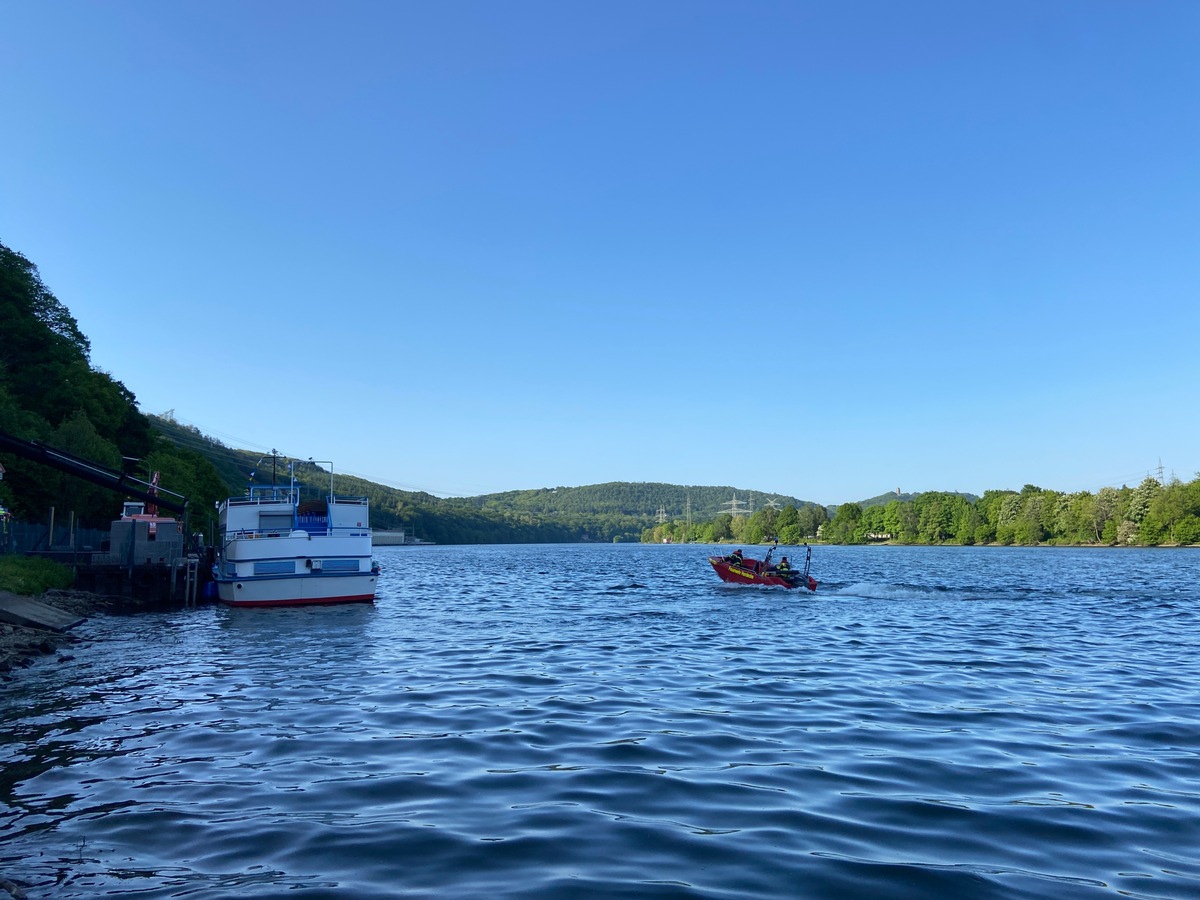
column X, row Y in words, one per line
column 642, row 498
column 885, row 499
column 603, row 512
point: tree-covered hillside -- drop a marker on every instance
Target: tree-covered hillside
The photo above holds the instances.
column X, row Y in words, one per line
column 1150, row 514
column 636, row 499
column 605, row 512
column 602, row 512
column 51, row 394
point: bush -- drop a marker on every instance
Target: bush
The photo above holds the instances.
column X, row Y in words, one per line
column 1109, row 534
column 31, row 576
column 1188, row 530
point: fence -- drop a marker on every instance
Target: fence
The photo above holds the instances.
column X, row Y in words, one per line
column 25, row 537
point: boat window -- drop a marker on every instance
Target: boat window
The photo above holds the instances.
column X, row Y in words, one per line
column 274, row 522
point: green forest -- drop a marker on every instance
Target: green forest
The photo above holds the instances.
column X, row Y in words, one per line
column 1151, row 514
column 51, row 393
column 790, row 524
column 617, row 511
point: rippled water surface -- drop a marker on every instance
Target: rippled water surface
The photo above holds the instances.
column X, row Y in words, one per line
column 612, row 721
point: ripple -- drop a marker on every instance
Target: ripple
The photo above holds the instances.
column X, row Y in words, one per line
column 612, row 722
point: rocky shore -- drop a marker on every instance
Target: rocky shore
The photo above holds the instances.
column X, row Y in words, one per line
column 20, row 645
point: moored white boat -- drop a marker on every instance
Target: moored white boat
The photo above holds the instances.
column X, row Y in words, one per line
column 275, row 551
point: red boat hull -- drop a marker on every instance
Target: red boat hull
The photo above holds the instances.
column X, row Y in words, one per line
column 752, row 571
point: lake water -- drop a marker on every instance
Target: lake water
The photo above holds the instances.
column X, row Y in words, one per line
column 614, row 722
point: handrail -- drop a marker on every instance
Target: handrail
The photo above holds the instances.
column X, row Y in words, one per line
column 235, row 533
column 266, row 494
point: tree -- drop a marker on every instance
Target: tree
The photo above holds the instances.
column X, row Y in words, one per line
column 721, row 528
column 761, row 526
column 871, row 525
column 1008, row 513
column 93, row 505
column 810, row 519
column 966, row 523
column 843, row 528
column 788, row 517
column 1167, row 508
column 1028, row 528
column 1143, row 494
column 187, row 472
column 1102, row 513
column 42, row 340
column 1075, row 519
column 737, row 528
column 936, row 515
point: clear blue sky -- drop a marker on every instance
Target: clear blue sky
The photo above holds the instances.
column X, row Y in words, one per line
column 820, row 249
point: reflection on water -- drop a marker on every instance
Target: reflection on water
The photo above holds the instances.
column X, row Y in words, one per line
column 613, row 721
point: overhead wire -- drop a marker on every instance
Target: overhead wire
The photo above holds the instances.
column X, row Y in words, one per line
column 203, row 442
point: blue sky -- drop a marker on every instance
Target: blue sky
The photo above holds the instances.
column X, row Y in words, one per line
column 818, row 249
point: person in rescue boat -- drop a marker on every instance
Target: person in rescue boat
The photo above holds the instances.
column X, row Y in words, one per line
column 735, row 557
column 784, row 565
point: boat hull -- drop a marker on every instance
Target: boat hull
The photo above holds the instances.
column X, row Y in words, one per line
column 297, row 590
column 752, row 571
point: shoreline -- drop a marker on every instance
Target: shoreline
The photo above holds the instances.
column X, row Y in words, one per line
column 22, row 645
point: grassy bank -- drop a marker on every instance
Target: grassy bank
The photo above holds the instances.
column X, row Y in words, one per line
column 32, row 577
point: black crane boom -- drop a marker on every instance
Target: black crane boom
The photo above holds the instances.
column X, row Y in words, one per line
column 93, row 472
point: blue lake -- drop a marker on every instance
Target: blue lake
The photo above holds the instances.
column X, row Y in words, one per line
column 613, row 721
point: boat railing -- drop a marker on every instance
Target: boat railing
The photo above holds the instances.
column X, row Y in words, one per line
column 312, row 530
column 267, row 494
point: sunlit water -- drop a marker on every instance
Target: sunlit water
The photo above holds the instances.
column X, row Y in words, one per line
column 612, row 721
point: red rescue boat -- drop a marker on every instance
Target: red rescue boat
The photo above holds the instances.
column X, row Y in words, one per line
column 737, row 569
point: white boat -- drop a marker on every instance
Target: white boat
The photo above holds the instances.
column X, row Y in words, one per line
column 275, row 551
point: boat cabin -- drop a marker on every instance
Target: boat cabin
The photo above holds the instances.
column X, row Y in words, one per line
column 271, row 511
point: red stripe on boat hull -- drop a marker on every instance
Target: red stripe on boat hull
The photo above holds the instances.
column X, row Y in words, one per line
column 302, row 601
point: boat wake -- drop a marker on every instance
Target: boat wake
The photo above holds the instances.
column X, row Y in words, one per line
column 630, row 585
column 870, row 591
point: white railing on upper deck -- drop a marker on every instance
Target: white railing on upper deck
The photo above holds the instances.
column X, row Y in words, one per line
column 268, row 494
